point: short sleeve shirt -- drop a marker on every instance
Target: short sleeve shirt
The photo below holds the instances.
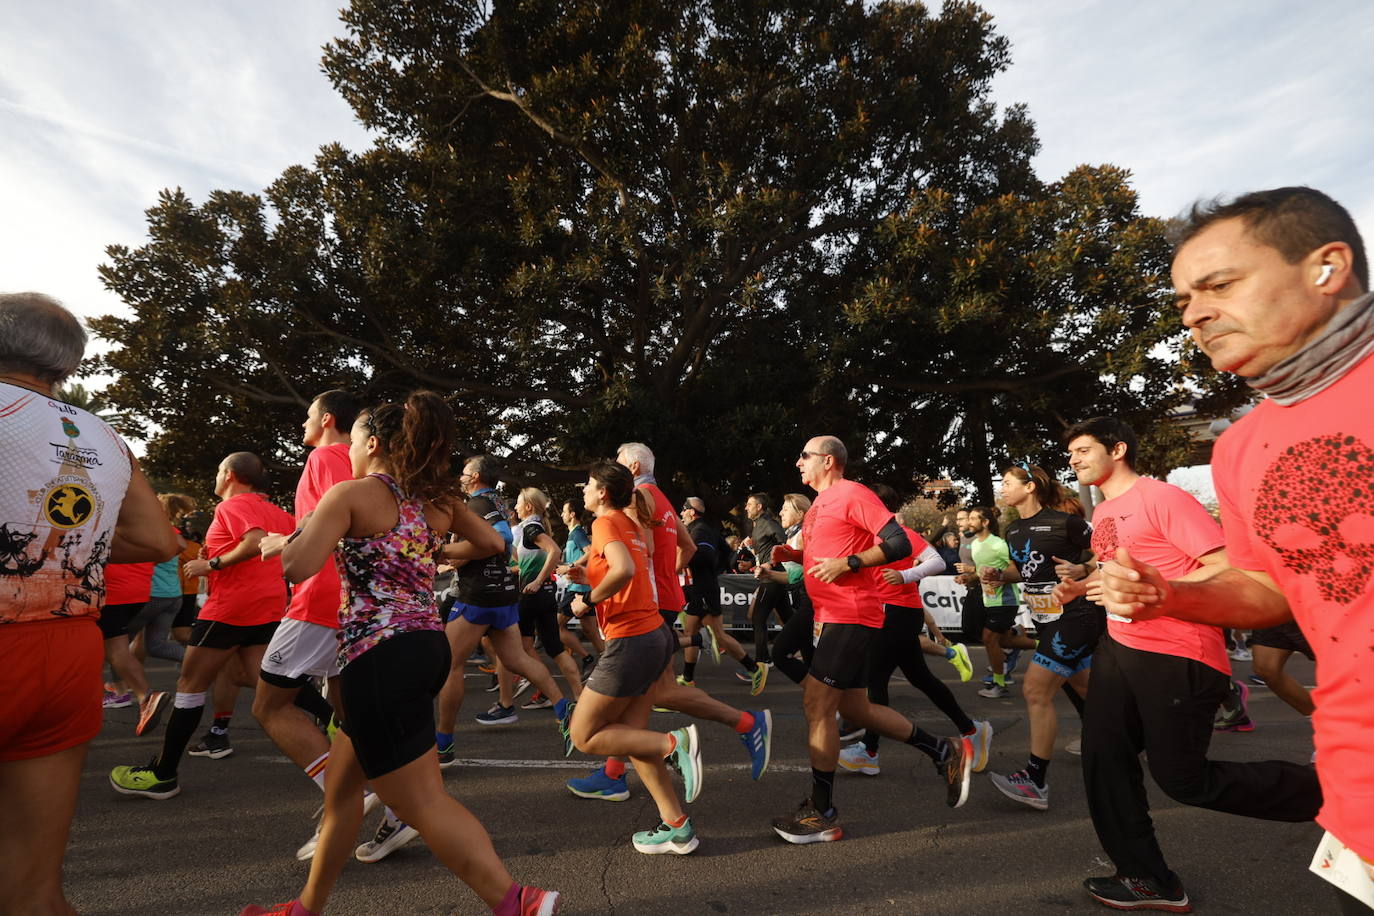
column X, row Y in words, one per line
column 1296, row 488
column 576, row 545
column 128, row 583
column 320, row 598
column 907, row 594
column 529, row 556
column 845, row 519
column 631, row 611
column 253, row 592
column 670, row 595
column 1164, row 526
column 1034, row 542
column 993, row 551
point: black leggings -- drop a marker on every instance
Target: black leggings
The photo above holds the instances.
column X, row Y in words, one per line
column 770, row 596
column 539, row 615
column 796, row 636
column 899, row 646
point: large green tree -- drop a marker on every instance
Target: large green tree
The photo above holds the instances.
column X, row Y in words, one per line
column 588, row 223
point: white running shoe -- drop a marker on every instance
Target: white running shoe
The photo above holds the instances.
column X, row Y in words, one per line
column 390, row 836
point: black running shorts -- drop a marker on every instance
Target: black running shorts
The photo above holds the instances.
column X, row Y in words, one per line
column 1288, row 636
column 388, row 699
column 214, row 634
column 840, row 659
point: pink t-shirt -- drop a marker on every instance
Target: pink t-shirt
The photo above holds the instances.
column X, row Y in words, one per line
column 1296, row 487
column 319, row 598
column 905, row 595
column 253, row 592
column 1166, row 527
column 844, row 519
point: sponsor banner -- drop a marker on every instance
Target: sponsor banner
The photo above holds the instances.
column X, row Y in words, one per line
column 944, row 598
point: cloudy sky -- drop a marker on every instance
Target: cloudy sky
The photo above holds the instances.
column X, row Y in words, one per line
column 104, row 104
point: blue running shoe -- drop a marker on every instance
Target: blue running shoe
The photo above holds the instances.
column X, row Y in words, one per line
column 758, row 741
column 1013, row 657
column 599, row 785
column 665, row 839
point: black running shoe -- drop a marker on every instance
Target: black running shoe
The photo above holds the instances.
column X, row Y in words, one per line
column 808, row 825
column 214, row 746
column 1122, row 893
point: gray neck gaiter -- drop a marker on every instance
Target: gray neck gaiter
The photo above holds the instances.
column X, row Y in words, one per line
column 1348, row 339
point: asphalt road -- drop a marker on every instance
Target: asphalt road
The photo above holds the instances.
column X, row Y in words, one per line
column 229, row 838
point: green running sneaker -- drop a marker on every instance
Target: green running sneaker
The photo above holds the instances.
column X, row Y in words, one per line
column 757, row 678
column 143, row 781
column 664, row 839
column 686, row 759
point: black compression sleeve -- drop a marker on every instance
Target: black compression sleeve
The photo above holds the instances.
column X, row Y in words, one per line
column 894, row 542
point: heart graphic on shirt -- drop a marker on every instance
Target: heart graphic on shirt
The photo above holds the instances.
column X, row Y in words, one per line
column 1314, row 510
column 1104, row 539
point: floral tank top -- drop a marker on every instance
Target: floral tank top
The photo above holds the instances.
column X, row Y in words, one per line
column 390, row 580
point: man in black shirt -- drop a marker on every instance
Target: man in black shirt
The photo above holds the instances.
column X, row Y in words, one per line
column 704, row 625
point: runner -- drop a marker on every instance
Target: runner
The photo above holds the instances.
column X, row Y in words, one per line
column 704, row 624
column 615, row 706
column 792, row 647
column 73, row 499
column 128, row 586
column 579, row 524
column 488, row 604
column 839, row 556
column 899, row 646
column 393, row 656
column 247, row 599
column 306, row 643
column 770, row 596
column 538, row 556
column 1156, row 683
column 1275, row 288
column 670, row 549
column 1048, row 541
column 999, row 603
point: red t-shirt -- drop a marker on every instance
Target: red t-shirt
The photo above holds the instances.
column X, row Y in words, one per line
column 1164, row 526
column 903, row 595
column 128, row 583
column 318, row 599
column 670, row 596
column 844, row 519
column 632, row 610
column 253, row 592
column 1296, row 487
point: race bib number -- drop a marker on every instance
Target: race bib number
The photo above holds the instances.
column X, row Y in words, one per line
column 816, row 627
column 1338, row 864
column 1040, row 600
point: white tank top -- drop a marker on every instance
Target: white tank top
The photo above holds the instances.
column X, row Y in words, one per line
column 63, row 475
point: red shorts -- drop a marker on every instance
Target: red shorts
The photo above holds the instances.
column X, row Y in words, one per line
column 50, row 679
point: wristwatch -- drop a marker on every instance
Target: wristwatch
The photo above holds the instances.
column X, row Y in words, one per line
column 854, row 564
column 215, row 563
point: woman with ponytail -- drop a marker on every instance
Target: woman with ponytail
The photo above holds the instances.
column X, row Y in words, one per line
column 1048, row 542
column 385, row 529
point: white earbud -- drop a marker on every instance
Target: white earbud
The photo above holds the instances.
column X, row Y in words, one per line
column 1327, row 271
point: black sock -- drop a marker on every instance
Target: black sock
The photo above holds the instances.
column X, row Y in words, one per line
column 871, row 739
column 310, row 700
column 749, row 664
column 1074, row 697
column 1035, row 769
column 689, row 670
column 934, row 748
column 822, row 788
column 695, row 640
column 181, row 726
column 220, row 725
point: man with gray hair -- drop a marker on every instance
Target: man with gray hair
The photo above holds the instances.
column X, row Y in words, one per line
column 73, row 500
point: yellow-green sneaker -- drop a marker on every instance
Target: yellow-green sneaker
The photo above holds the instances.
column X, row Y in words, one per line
column 143, row 781
column 960, row 661
column 757, row 678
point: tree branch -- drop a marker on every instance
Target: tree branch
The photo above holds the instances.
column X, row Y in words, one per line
column 1006, row 383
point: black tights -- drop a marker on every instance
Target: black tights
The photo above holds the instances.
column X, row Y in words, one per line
column 771, row 596
column 899, row 646
column 796, row 636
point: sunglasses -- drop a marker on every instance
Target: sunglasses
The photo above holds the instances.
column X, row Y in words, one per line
column 806, row 455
